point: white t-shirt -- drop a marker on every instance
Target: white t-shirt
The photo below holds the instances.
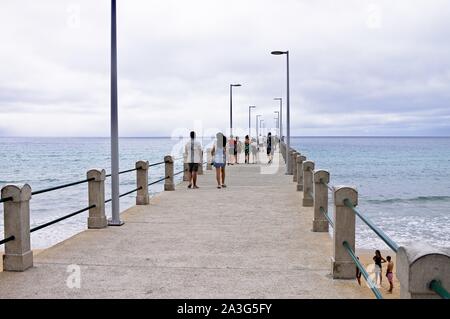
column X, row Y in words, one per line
column 193, row 152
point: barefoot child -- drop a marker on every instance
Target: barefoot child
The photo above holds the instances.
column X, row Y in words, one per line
column 389, row 273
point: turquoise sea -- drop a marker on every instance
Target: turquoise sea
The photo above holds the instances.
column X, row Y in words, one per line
column 403, row 183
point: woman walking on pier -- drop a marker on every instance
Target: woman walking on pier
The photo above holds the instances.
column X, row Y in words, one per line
column 218, row 153
column 269, row 147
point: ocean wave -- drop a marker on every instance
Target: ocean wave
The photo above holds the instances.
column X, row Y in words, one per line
column 419, row 199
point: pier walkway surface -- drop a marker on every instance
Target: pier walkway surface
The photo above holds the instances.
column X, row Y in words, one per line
column 250, row 240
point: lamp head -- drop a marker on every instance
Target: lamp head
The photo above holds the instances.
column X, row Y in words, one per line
column 278, row 52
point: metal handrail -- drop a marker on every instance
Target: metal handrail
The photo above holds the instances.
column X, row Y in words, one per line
column 61, row 186
column 328, row 186
column 123, row 172
column 61, row 218
column 436, row 286
column 158, row 181
column 363, row 271
column 377, row 230
column 326, row 216
column 7, row 239
column 179, row 172
column 155, row 164
column 125, row 194
column 6, row 199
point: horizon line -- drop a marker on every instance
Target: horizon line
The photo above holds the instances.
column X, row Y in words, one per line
column 294, row 136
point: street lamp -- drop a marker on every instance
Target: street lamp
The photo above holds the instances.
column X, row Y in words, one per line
column 261, row 127
column 288, row 128
column 115, row 208
column 257, row 129
column 249, row 121
column 281, row 116
column 231, row 106
column 277, row 121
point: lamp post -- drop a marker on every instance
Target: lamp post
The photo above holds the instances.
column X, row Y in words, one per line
column 249, row 121
column 281, row 116
column 277, row 121
column 261, row 127
column 231, row 106
column 115, row 208
column 257, row 130
column 288, row 128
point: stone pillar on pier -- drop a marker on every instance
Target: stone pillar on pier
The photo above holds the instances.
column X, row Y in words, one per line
column 343, row 266
column 96, row 193
column 320, row 222
column 294, row 166
column 18, row 255
column 417, row 265
column 169, row 184
column 308, row 199
column 142, row 197
column 291, row 161
column 299, row 162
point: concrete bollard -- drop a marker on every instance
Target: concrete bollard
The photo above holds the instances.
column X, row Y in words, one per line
column 18, row 255
column 419, row 264
column 185, row 168
column 200, row 165
column 169, row 185
column 96, row 194
column 142, row 197
column 299, row 162
column 291, row 161
column 294, row 166
column 308, row 199
column 343, row 266
column 320, row 222
column 208, row 159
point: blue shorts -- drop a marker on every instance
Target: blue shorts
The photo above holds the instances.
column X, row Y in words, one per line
column 217, row 165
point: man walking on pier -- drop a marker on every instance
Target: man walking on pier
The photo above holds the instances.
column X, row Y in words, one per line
column 193, row 151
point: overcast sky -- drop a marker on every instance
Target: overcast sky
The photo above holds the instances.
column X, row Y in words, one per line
column 357, row 67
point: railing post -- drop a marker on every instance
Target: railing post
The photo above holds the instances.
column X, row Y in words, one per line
column 18, row 255
column 96, row 196
column 291, row 161
column 343, row 266
column 320, row 222
column 208, row 160
column 169, row 185
column 185, row 168
column 299, row 162
column 142, row 197
column 419, row 264
column 200, row 165
column 308, row 200
column 294, row 166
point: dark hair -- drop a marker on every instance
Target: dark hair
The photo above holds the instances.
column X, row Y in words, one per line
column 224, row 141
column 388, row 258
column 192, row 134
column 270, row 134
column 246, row 136
column 377, row 252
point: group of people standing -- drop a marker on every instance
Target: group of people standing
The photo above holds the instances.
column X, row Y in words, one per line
column 221, row 147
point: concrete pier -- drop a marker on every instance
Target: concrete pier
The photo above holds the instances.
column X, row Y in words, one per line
column 203, row 243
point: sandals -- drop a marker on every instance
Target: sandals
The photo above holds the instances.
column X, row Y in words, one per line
column 224, row 186
column 190, row 185
column 219, row 187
